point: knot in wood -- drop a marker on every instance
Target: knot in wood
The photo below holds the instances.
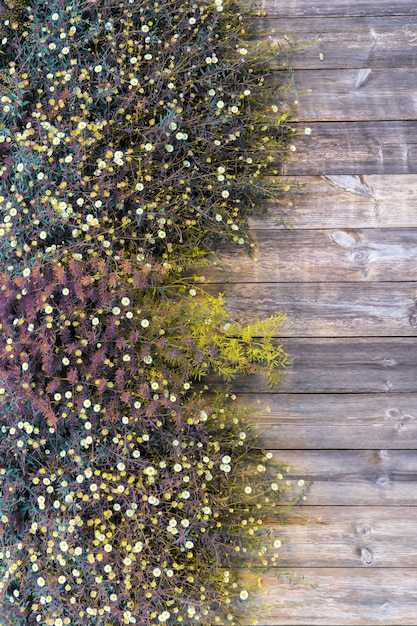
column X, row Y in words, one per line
column 361, row 256
column 366, row 557
column 383, row 480
column 348, row 239
column 363, row 530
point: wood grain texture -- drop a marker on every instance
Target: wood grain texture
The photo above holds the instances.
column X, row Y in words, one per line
column 338, row 8
column 371, row 537
column 355, row 477
column 338, row 255
column 353, row 94
column 347, row 365
column 374, row 201
column 355, row 148
column 345, row 273
column 328, row 309
column 347, row 42
column 338, row 597
column 335, row 421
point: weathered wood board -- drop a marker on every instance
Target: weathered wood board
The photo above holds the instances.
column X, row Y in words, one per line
column 355, row 477
column 338, row 8
column 348, row 536
column 345, row 201
column 373, row 148
column 339, row 597
column 346, row 42
column 336, row 95
column 345, row 421
column 328, row 309
column 337, row 255
column 345, row 365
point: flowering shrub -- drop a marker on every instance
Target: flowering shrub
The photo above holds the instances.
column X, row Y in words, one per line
column 129, row 144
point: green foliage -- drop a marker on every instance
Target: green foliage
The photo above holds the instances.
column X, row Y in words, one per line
column 134, row 137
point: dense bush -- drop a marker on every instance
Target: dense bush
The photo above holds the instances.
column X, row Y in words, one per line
column 133, row 136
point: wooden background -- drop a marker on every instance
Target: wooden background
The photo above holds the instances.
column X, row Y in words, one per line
column 346, row 277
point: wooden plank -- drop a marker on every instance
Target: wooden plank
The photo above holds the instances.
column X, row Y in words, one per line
column 331, row 536
column 387, row 201
column 355, row 477
column 347, row 365
column 353, row 94
column 337, row 597
column 339, row 255
column 340, row 421
column 346, row 42
column 338, row 8
column 355, row 148
column 328, row 309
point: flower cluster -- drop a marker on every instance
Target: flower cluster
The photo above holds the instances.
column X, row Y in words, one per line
column 129, row 144
column 135, row 119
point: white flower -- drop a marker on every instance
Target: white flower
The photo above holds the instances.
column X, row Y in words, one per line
column 63, row 546
column 307, row 131
column 164, row 616
column 277, row 543
column 26, row 272
column 40, row 581
column 243, row 595
column 144, row 323
column 220, row 104
column 98, row 68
